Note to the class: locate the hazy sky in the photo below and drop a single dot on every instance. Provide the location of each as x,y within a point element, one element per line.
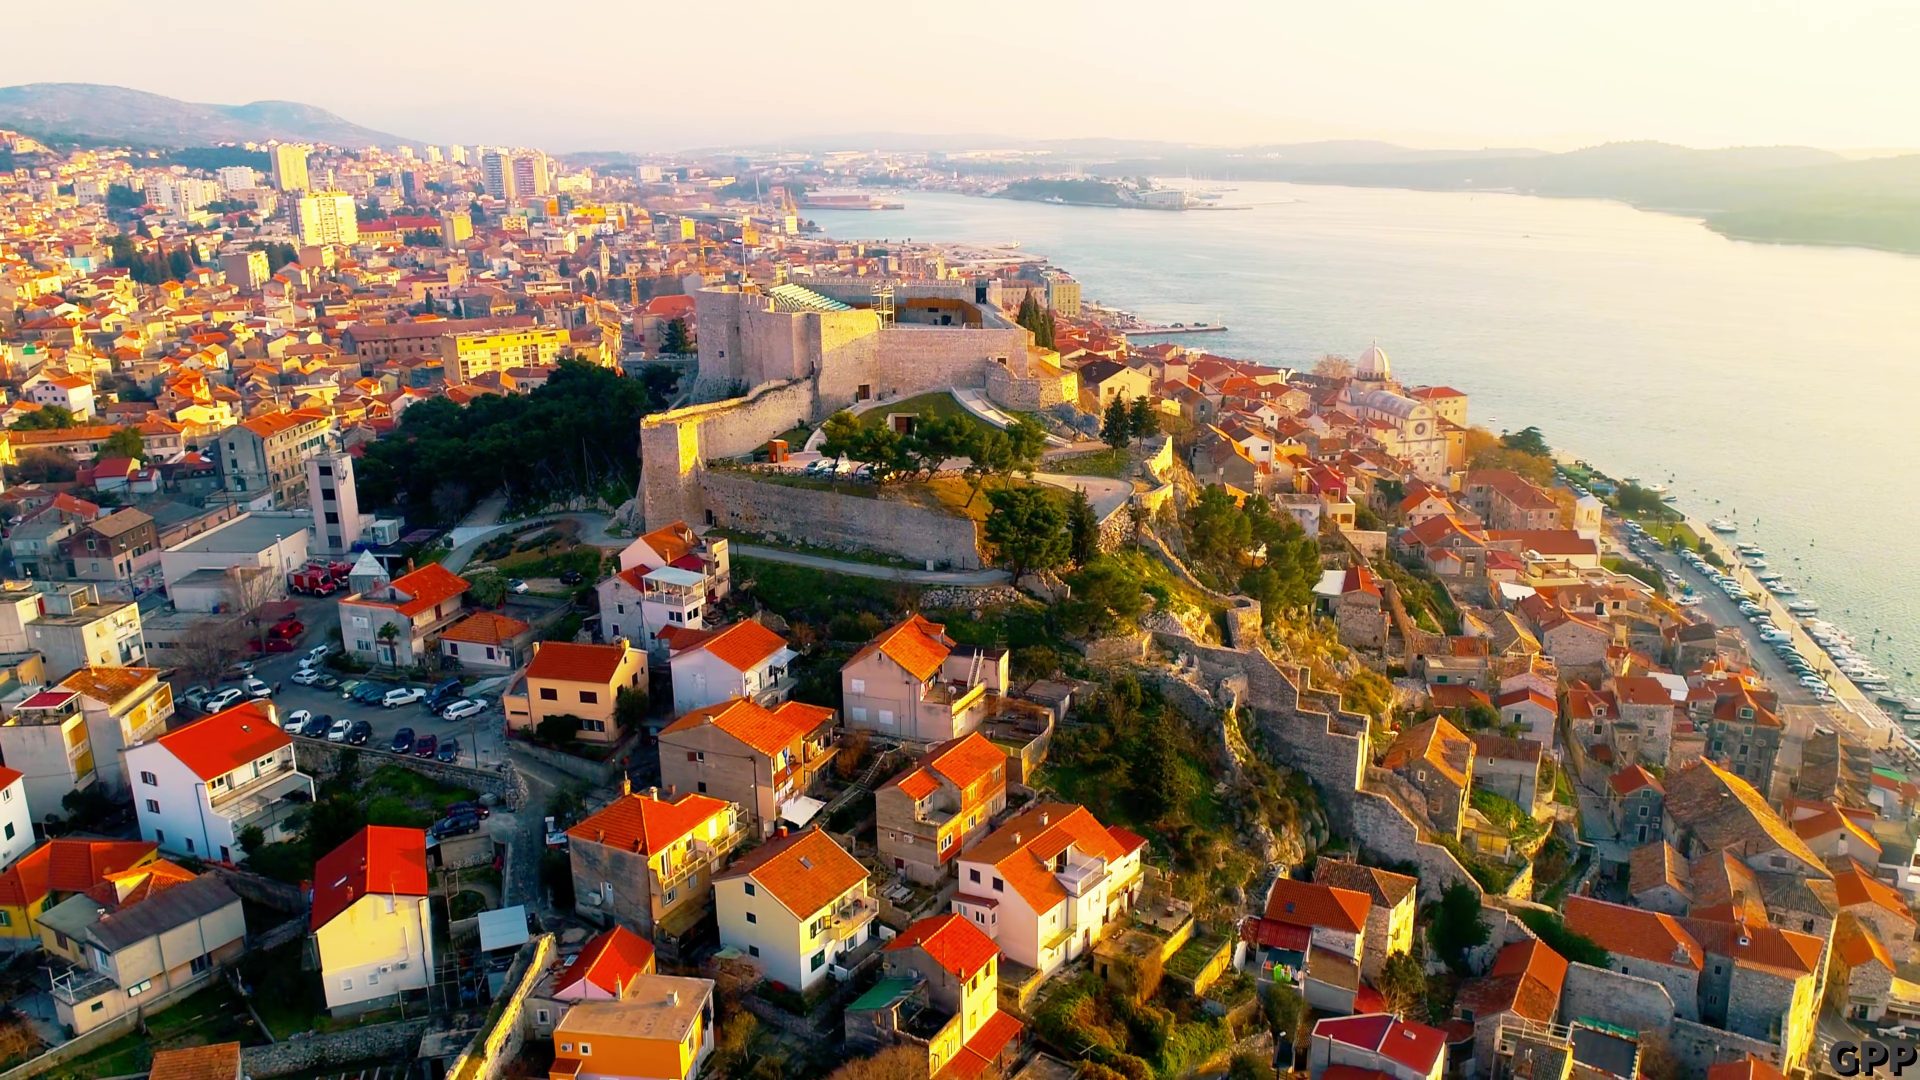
<point>642,74</point>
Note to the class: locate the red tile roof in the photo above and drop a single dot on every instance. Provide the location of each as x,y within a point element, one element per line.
<point>1629,931</point>
<point>1307,903</point>
<point>768,731</point>
<point>380,859</point>
<point>609,961</point>
<point>1750,1068</point>
<point>485,628</point>
<point>916,643</point>
<point>803,871</point>
<point>1415,1046</point>
<point>564,661</point>
<point>427,587</point>
<point>220,743</point>
<point>214,1061</point>
<point>1023,847</point>
<point>69,866</point>
<point>952,941</point>
<point>645,824</point>
<point>744,645</point>
<point>1632,779</point>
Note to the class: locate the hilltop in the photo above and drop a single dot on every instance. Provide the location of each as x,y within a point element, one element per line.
<point>93,113</point>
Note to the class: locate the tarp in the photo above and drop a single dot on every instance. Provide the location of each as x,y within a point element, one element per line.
<point>503,929</point>
<point>799,810</point>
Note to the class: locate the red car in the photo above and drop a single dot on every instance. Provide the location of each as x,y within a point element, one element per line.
<point>425,745</point>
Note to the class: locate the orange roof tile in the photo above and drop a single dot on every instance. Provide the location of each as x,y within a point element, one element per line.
<point>10,777</point>
<point>1854,884</point>
<point>426,587</point>
<point>1438,743</point>
<point>69,866</point>
<point>1306,903</point>
<point>380,859</point>
<point>744,644</point>
<point>485,628</point>
<point>108,684</point>
<point>1022,848</point>
<point>1750,1068</point>
<point>952,941</point>
<point>214,1061</point>
<point>609,961</point>
<point>803,871</point>
<point>768,731</point>
<point>917,644</point>
<point>226,740</point>
<point>564,661</point>
<point>1648,935</point>
<point>645,824</point>
<point>966,760</point>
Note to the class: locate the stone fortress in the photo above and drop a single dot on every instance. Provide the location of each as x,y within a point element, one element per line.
<point>773,358</point>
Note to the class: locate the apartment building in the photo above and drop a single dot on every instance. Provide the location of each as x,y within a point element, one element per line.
<point>646,862</point>
<point>931,813</point>
<point>466,356</point>
<point>371,926</point>
<point>397,623</point>
<point>660,1029</point>
<point>326,217</point>
<point>267,455</point>
<point>76,629</point>
<point>939,989</point>
<point>798,906</point>
<point>763,760</point>
<point>197,788</point>
<point>582,681</point>
<point>710,666</point>
<point>122,706</point>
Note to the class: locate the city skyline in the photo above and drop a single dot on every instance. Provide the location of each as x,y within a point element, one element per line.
<point>1708,74</point>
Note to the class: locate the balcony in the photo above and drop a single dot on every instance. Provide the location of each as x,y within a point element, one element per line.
<point>262,802</point>
<point>1079,878</point>
<point>719,846</point>
<point>77,986</point>
<point>850,917</point>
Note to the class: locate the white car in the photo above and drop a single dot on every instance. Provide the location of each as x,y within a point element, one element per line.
<point>402,695</point>
<point>306,677</point>
<point>338,732</point>
<point>225,698</point>
<point>308,663</point>
<point>295,721</point>
<point>319,652</point>
<point>462,709</point>
<point>256,689</point>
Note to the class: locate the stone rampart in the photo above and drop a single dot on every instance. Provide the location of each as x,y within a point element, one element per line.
<point>736,499</point>
<point>376,1042</point>
<point>1697,1047</point>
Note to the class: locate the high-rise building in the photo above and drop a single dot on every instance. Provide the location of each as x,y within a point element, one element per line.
<point>531,175</point>
<point>457,154</point>
<point>455,226</point>
<point>290,167</point>
<point>237,178</point>
<point>326,217</point>
<point>336,508</point>
<point>497,173</point>
<point>246,270</point>
<point>433,155</point>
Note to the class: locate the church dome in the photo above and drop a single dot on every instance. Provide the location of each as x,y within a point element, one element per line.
<point>1373,364</point>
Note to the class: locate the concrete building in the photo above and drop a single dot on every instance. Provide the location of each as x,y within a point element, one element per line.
<point>1389,922</point>
<point>939,988</point>
<point>16,817</point>
<point>123,707</point>
<point>371,925</point>
<point>798,906</point>
<point>77,629</point>
<point>762,760</point>
<point>269,544</point>
<point>267,455</point>
<point>914,682</point>
<point>119,548</point>
<point>467,356</point>
<point>417,605</point>
<point>582,681</point>
<point>337,523</point>
<point>745,660</point>
<point>645,862</point>
<point>661,1029</point>
<point>197,788</point>
<point>246,270</point>
<point>326,217</point>
<point>290,167</point>
<point>931,813</point>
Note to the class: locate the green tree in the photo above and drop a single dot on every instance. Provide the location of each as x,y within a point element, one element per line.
<point>1037,318</point>
<point>1117,426</point>
<point>630,707</point>
<point>1143,419</point>
<point>1248,1065</point>
<point>1528,440</point>
<point>1286,1013</point>
<point>487,589</point>
<point>558,729</point>
<point>1028,530</point>
<point>252,839</point>
<point>1084,529</point>
<point>675,340</point>
<point>1219,534</point>
<point>124,442</point>
<point>1457,927</point>
<point>1403,984</point>
<point>47,418</point>
<point>930,441</point>
<point>1107,596</point>
<point>876,446</point>
<point>1575,946</point>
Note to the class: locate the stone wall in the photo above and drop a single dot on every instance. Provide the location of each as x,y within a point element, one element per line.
<point>493,1048</point>
<point>320,758</point>
<point>1595,993</point>
<point>1697,1047</point>
<point>597,773</point>
<point>674,445</point>
<point>845,522</point>
<point>377,1042</point>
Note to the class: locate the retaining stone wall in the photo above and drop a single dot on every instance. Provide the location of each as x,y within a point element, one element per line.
<point>1629,1001</point>
<point>393,1042</point>
<point>320,758</point>
<point>843,522</point>
<point>1697,1047</point>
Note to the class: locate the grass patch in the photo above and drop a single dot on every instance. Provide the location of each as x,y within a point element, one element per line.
<point>1111,463</point>
<point>806,594</point>
<point>1493,875</point>
<point>938,404</point>
<point>1187,961</point>
<point>1521,828</point>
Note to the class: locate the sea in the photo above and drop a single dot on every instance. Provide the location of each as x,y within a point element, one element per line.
<point>1774,385</point>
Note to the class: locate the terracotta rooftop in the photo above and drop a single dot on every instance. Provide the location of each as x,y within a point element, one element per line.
<point>564,661</point>
<point>952,941</point>
<point>380,859</point>
<point>768,731</point>
<point>916,643</point>
<point>803,871</point>
<point>218,744</point>
<point>646,824</point>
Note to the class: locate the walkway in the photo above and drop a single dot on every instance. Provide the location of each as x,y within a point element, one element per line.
<point>869,570</point>
<point>975,401</point>
<point>1106,494</point>
<point>593,530</point>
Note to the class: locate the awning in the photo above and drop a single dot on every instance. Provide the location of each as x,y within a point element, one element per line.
<point>799,810</point>
<point>503,929</point>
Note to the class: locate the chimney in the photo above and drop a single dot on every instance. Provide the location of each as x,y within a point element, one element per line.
<point>1043,819</point>
<point>653,793</point>
<point>626,785</point>
<point>781,831</point>
<point>1016,839</point>
<point>673,997</point>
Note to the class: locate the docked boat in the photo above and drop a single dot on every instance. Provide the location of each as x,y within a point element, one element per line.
<point>1767,578</point>
<point>1723,526</point>
<point>1756,562</point>
<point>1783,588</point>
<point>1890,697</point>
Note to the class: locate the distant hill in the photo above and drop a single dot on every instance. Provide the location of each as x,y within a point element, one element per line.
<point>93,113</point>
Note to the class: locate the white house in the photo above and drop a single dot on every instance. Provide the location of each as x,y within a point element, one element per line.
<point>744,660</point>
<point>370,920</point>
<point>16,821</point>
<point>71,392</point>
<point>197,788</point>
<point>796,906</point>
<point>1046,885</point>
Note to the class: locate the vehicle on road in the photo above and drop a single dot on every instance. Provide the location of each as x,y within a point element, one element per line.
<point>320,651</point>
<point>572,577</point>
<point>556,836</point>
<point>305,677</point>
<point>515,585</point>
<point>425,745</point>
<point>474,807</point>
<point>402,742</point>
<point>448,753</point>
<point>456,825</point>
<point>359,733</point>
<point>402,695</point>
<point>196,696</point>
<point>348,686</point>
<point>462,709</point>
<point>339,731</point>
<point>324,681</point>
<point>296,721</point>
<point>256,689</point>
<point>225,698</point>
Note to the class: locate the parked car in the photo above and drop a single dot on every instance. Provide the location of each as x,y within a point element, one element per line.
<point>425,745</point>
<point>324,681</point>
<point>475,807</point>
<point>462,709</point>
<point>359,733</point>
<point>449,751</point>
<point>305,677</point>
<point>348,686</point>
<point>402,695</point>
<point>225,699</point>
<point>515,585</point>
<point>319,726</point>
<point>196,696</point>
<point>239,668</point>
<point>556,836</point>
<point>443,692</point>
<point>456,825</point>
<point>339,731</point>
<point>254,688</point>
<point>319,652</point>
<point>402,741</point>
<point>296,721</point>
<point>572,577</point>
<point>370,693</point>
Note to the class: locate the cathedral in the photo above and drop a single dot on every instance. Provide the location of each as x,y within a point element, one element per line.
<point>1404,426</point>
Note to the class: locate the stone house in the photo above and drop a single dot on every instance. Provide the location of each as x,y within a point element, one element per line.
<point>1657,878</point>
<point>1389,918</point>
<point>1357,607</point>
<point>1437,760</point>
<point>646,863</point>
<point>1510,768</point>
<point>1860,973</point>
<point>1636,806</point>
<point>1522,989</point>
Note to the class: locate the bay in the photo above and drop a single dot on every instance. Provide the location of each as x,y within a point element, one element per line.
<point>1774,384</point>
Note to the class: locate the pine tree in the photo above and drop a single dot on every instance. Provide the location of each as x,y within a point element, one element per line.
<point>1083,529</point>
<point>1143,419</point>
<point>1117,429</point>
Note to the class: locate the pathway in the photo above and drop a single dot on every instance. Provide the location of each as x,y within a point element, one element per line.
<point>593,530</point>
<point>869,570</point>
<point>975,401</point>
<point>1106,494</point>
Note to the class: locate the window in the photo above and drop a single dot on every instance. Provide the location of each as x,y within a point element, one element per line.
<point>671,893</point>
<point>153,806</point>
<point>753,950</point>
<point>973,875</point>
<point>159,836</point>
<point>149,779</point>
<point>541,1015</point>
<point>139,988</point>
<point>702,785</point>
<point>566,1048</point>
<point>750,889</point>
<point>819,960</point>
<point>97,1006</point>
<point>189,844</point>
<point>752,919</point>
<point>346,984</point>
<point>819,927</point>
<point>859,686</point>
<point>589,697</point>
<point>548,693</point>
<point>373,978</point>
<point>946,842</point>
<point>999,885</point>
<point>200,965</point>
<point>586,1049</point>
<point>5,919</point>
<point>9,830</point>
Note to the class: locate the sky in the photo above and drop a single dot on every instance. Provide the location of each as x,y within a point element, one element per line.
<point>650,76</point>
